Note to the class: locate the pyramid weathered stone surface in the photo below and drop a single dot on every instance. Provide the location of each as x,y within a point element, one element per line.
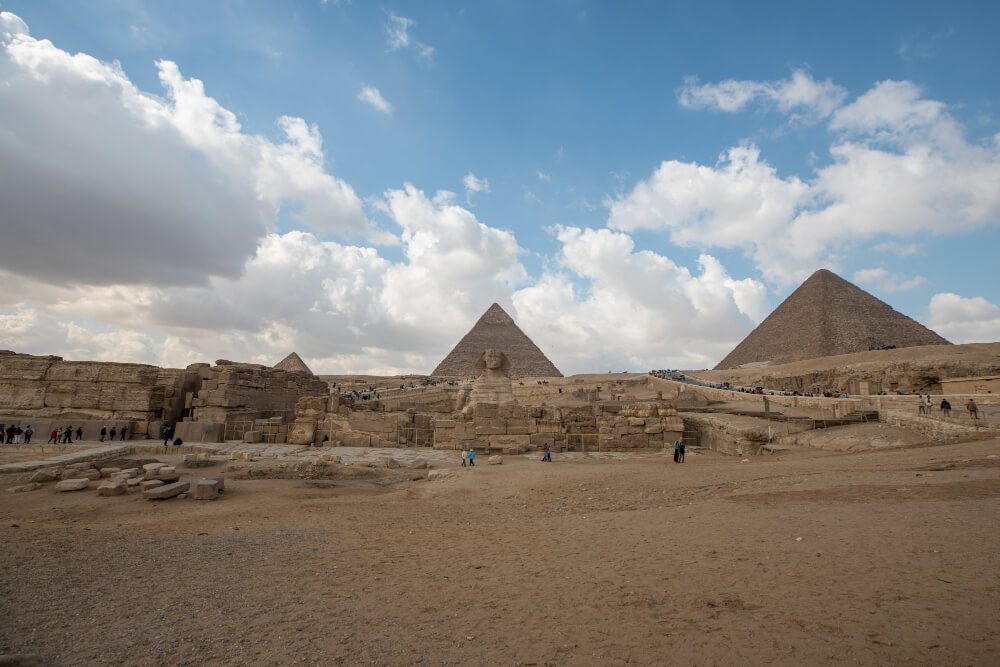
<point>825,316</point>
<point>495,329</point>
<point>294,363</point>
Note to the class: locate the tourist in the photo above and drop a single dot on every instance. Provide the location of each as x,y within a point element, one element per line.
<point>28,432</point>
<point>54,437</point>
<point>921,408</point>
<point>68,435</point>
<point>677,451</point>
<point>18,432</point>
<point>472,457</point>
<point>124,433</point>
<point>167,432</point>
<point>548,454</point>
<point>682,448</point>
<point>465,457</point>
<point>113,433</point>
<point>104,434</point>
<point>928,405</point>
<point>945,407</point>
<point>79,433</point>
<point>973,409</point>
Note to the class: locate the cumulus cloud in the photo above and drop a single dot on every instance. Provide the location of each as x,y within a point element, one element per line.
<point>608,305</point>
<point>474,184</point>
<point>371,96</point>
<point>102,183</point>
<point>900,166</point>
<point>397,29</point>
<point>882,280</point>
<point>964,319</point>
<point>800,95</point>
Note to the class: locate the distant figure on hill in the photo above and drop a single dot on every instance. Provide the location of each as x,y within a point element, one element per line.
<point>472,458</point>
<point>973,409</point>
<point>945,407</point>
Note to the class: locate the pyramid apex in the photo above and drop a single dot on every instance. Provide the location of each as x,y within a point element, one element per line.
<point>293,363</point>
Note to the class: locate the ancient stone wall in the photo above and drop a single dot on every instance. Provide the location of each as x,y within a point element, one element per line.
<point>244,391</point>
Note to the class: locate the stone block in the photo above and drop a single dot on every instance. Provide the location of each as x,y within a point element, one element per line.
<point>136,482</point>
<point>206,489</point>
<point>441,473</point>
<point>89,473</point>
<point>548,426</point>
<point>521,426</point>
<point>490,426</point>
<point>151,484</point>
<point>152,467</point>
<point>73,484</point>
<point>485,410</point>
<point>44,475</point>
<point>30,486</point>
<point>495,460</point>
<point>252,436</point>
<point>653,429</point>
<point>510,444</point>
<point>166,491</point>
<point>109,472</point>
<point>636,421</point>
<point>166,470</point>
<point>111,488</point>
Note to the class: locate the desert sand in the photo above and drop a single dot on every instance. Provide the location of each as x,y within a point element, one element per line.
<point>882,557</point>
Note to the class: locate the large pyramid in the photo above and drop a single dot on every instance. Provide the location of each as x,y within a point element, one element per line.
<point>294,363</point>
<point>825,316</point>
<point>495,329</point>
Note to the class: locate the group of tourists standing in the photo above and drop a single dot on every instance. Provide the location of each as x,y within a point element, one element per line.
<point>925,406</point>
<point>15,435</point>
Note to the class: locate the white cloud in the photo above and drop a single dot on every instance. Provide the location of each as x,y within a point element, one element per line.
<point>371,96</point>
<point>800,95</point>
<point>635,309</point>
<point>881,279</point>
<point>901,167</point>
<point>103,183</point>
<point>398,36</point>
<point>543,177</point>
<point>964,319</point>
<point>474,184</point>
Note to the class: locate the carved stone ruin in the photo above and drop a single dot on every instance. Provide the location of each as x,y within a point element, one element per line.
<point>493,384</point>
<point>309,410</point>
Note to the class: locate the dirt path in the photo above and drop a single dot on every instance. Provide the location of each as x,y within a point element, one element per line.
<point>580,563</point>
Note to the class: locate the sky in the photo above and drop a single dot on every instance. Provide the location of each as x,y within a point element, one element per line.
<point>637,184</point>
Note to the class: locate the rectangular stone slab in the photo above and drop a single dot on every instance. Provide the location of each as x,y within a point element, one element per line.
<point>166,491</point>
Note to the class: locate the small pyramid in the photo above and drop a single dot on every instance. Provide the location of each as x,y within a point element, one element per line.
<point>826,316</point>
<point>293,363</point>
<point>496,329</point>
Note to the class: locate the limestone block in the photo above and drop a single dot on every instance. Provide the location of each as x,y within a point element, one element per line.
<point>30,486</point>
<point>441,473</point>
<point>485,410</point>
<point>89,473</point>
<point>302,433</point>
<point>108,472</point>
<point>20,396</point>
<point>444,423</point>
<point>166,470</point>
<point>654,428</point>
<point>206,489</point>
<point>511,444</point>
<point>495,460</point>
<point>44,475</point>
<point>522,426</point>
<point>166,491</point>
<point>72,395</point>
<point>252,436</point>
<point>152,467</point>
<point>418,464</point>
<point>388,462</point>
<point>110,487</point>
<point>135,482</point>
<point>540,440</point>
<point>636,421</point>
<point>490,426</point>
<point>73,484</point>
<point>150,484</point>
<point>25,366</point>
<point>548,426</point>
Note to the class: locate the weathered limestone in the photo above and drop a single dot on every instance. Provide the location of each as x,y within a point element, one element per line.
<point>73,484</point>
<point>30,486</point>
<point>309,410</point>
<point>493,384</point>
<point>45,475</point>
<point>111,487</point>
<point>207,489</point>
<point>166,491</point>
<point>147,484</point>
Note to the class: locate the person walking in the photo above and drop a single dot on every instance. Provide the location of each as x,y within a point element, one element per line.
<point>79,433</point>
<point>167,432</point>
<point>68,436</point>
<point>54,436</point>
<point>928,405</point>
<point>945,407</point>
<point>682,448</point>
<point>104,434</point>
<point>113,432</point>
<point>28,432</point>
<point>124,433</point>
<point>921,405</point>
<point>472,458</point>
<point>973,409</point>
<point>18,433</point>
<point>465,458</point>
<point>677,451</point>
<point>548,454</point>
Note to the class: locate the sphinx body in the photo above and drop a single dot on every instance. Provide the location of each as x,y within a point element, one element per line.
<point>493,384</point>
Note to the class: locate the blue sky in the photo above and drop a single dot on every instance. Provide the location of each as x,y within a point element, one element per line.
<point>565,108</point>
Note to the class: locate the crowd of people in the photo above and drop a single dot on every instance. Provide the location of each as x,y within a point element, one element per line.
<point>14,434</point>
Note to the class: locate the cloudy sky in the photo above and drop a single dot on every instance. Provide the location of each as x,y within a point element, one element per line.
<point>637,184</point>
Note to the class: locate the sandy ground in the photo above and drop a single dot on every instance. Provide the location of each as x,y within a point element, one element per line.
<point>874,558</point>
